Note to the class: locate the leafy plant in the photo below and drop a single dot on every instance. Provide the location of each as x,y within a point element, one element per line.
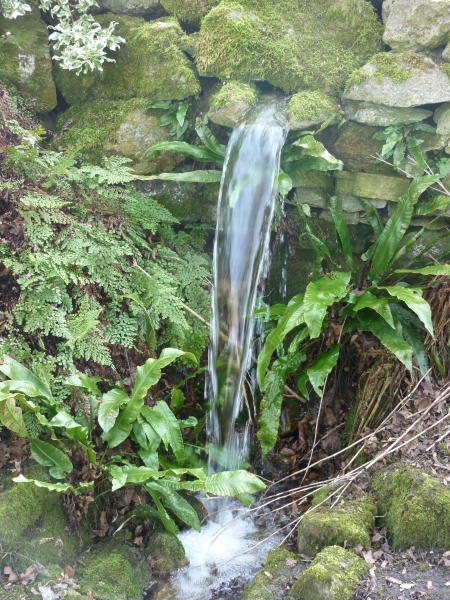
<point>362,298</point>
<point>79,39</point>
<point>175,116</point>
<point>401,142</point>
<point>119,416</point>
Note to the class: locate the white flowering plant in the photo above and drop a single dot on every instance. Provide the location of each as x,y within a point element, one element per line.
<point>79,42</point>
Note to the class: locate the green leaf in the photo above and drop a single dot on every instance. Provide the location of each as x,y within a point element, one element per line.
<point>434,270</point>
<point>153,439</point>
<point>164,422</point>
<point>108,409</point>
<point>11,417</point>
<point>206,176</point>
<point>24,380</point>
<point>373,216</point>
<point>176,504</point>
<point>316,149</point>
<point>411,328</point>
<point>433,205</point>
<point>181,112</point>
<point>320,295</point>
<point>49,456</point>
<point>377,303</point>
<point>320,247</point>
<point>150,330</point>
<point>284,183</point>
<point>72,429</point>
<point>270,411</point>
<point>225,483</point>
<point>397,225</point>
<point>415,152</point>
<point>387,336</point>
<point>168,523</point>
<point>177,399</point>
<point>84,381</point>
<point>124,422</point>
<point>292,317</point>
<point>149,458</point>
<point>54,487</point>
<point>412,297</point>
<point>207,137</point>
<point>200,153</point>
<point>321,367</point>
<point>342,229</point>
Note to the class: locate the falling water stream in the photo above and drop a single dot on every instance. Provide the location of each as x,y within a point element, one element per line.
<point>217,555</point>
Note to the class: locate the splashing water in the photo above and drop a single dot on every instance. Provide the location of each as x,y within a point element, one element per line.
<point>219,553</point>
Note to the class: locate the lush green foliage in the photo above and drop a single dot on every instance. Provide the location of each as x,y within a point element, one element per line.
<point>119,416</point>
<point>79,42</point>
<point>393,311</point>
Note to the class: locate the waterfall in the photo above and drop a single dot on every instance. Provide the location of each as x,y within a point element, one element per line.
<point>244,216</point>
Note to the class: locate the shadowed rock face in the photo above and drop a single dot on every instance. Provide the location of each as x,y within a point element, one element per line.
<point>135,8</point>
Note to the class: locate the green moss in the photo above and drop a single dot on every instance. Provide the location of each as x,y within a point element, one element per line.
<point>398,67</point>
<point>311,105</point>
<point>29,514</point>
<point>151,64</point>
<point>292,45</point>
<point>25,59</point>
<point>189,11</point>
<point>234,90</point>
<point>416,508</point>
<point>279,565</point>
<point>333,574</point>
<point>165,552</point>
<point>348,522</point>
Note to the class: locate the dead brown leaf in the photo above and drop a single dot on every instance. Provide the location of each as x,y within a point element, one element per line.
<point>12,577</point>
<point>28,576</point>
<point>69,571</point>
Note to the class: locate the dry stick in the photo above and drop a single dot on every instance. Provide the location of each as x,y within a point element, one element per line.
<point>319,462</point>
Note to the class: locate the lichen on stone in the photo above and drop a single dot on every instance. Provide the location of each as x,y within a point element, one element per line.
<point>333,575</point>
<point>292,45</point>
<point>189,11</point>
<point>416,507</point>
<point>151,64</point>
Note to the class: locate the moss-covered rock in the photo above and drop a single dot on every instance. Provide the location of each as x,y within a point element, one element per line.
<point>333,575</point>
<point>400,79</point>
<point>189,11</point>
<point>29,514</point>
<point>416,507</point>
<point>150,9</point>
<point>291,44</point>
<point>151,64</point>
<point>348,522</point>
<point>114,571</point>
<point>309,108</point>
<point>165,552</point>
<point>281,565</point>
<point>231,101</point>
<point>25,59</point>
<point>125,128</point>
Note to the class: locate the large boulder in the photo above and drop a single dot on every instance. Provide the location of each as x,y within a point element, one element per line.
<point>404,79</point>
<point>379,115</point>
<point>151,64</point>
<point>25,59</point>
<point>416,24</point>
<point>291,44</point>
<point>150,9</point>
<point>189,11</point>
<point>126,128</point>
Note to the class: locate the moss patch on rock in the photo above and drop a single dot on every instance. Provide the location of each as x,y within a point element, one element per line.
<point>165,552</point>
<point>281,565</point>
<point>416,508</point>
<point>126,128</point>
<point>25,58</point>
<point>333,575</point>
<point>151,64</point>
<point>291,44</point>
<point>232,100</point>
<point>347,522</point>
<point>29,514</point>
<point>189,11</point>
<point>310,107</point>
